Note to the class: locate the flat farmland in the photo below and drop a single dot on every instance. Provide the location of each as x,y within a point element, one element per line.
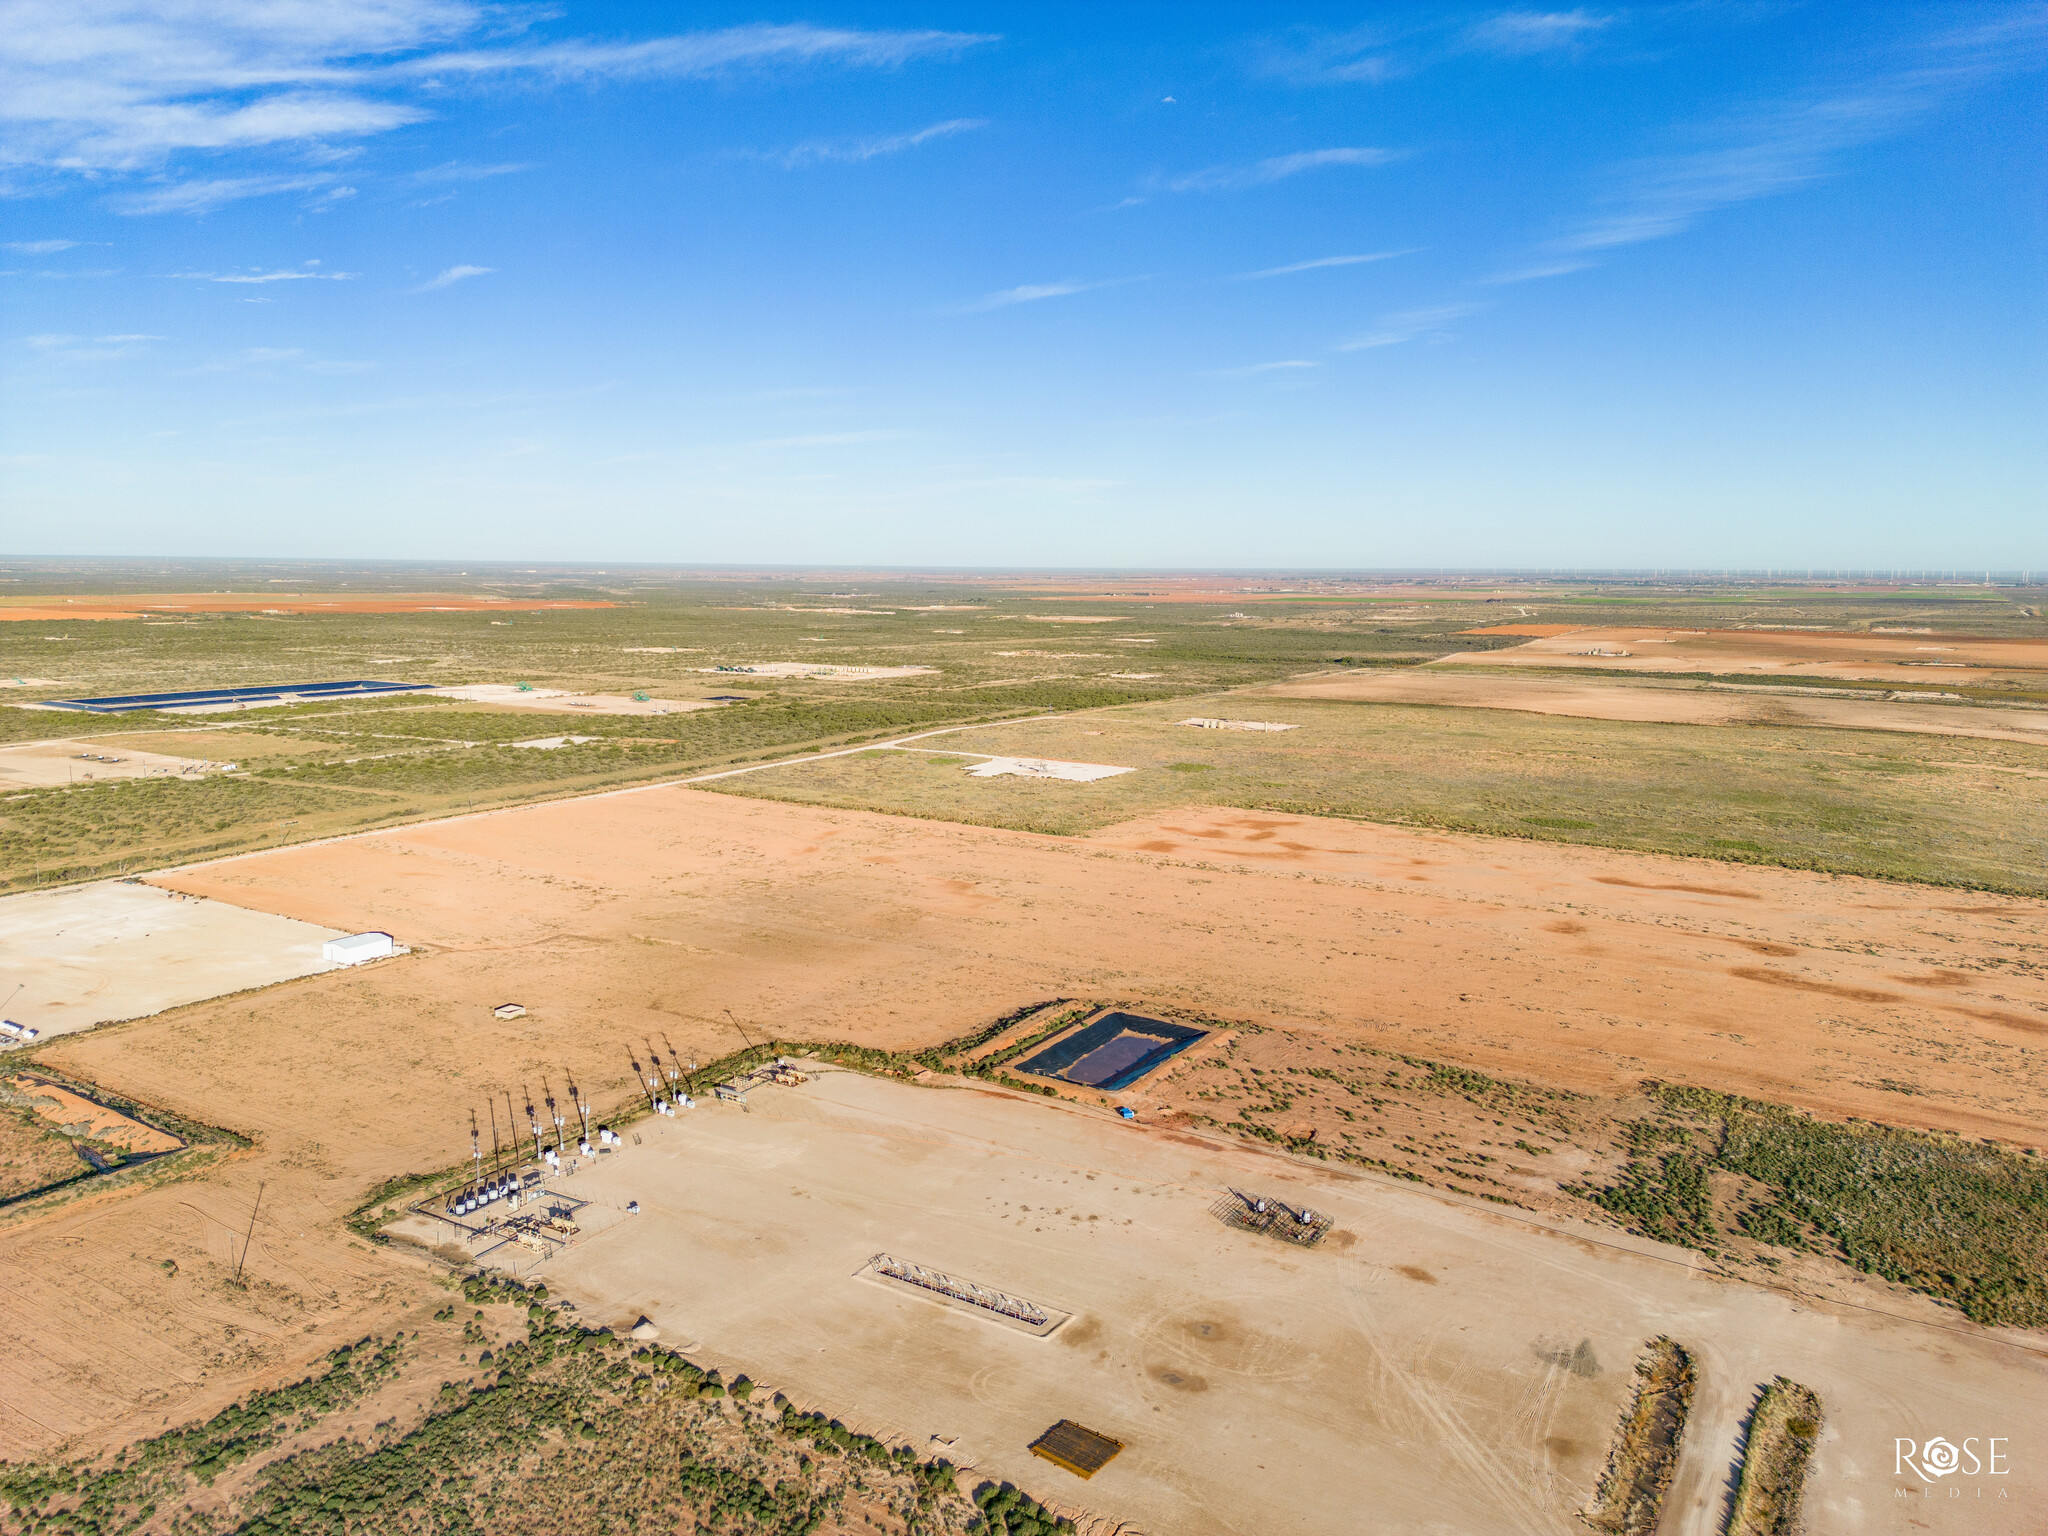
<point>1919,658</point>
<point>1672,702</point>
<point>1854,801</point>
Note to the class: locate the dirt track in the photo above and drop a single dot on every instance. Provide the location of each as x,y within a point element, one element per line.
<point>1673,703</point>
<point>643,913</point>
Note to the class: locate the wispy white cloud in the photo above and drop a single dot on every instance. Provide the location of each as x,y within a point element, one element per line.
<point>1536,31</point>
<point>696,55</point>
<point>1772,150</point>
<point>1376,54</point>
<point>1253,369</point>
<point>59,275</point>
<point>1322,261</point>
<point>823,150</point>
<point>1363,56</point>
<point>452,276</point>
<point>1536,272</point>
<point>109,86</point>
<point>1031,293</point>
<point>87,349</point>
<point>206,194</point>
<point>456,170</point>
<point>256,275</point>
<point>1409,325</point>
<point>1232,178</point>
<point>40,247</point>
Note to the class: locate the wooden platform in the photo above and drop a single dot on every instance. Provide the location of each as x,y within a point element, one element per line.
<point>1081,1451</point>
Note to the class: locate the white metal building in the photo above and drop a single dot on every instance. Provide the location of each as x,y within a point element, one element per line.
<point>358,947</point>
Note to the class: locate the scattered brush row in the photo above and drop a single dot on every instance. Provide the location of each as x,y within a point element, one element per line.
<point>1964,1222</point>
<point>561,1428</point>
<point>1777,1443</point>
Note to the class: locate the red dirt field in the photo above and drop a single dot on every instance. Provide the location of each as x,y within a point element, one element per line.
<point>1581,967</point>
<point>146,606</point>
<point>651,913</point>
<point>1675,701</point>
<point>1906,658</point>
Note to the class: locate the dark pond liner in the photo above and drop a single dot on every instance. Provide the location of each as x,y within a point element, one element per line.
<point>1113,1052</point>
<point>128,703</point>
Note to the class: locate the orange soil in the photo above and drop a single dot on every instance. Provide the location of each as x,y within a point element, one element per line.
<point>140,606</point>
<point>63,1107</point>
<point>1891,658</point>
<point>651,913</point>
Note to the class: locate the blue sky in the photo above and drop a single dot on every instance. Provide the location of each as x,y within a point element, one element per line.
<point>1693,284</point>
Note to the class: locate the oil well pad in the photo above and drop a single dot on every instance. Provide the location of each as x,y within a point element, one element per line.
<point>1295,1224</point>
<point>1081,1451</point>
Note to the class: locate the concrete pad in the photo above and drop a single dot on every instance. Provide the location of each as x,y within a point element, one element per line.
<point>560,701</point>
<point>1045,768</point>
<point>42,764</point>
<point>91,954</point>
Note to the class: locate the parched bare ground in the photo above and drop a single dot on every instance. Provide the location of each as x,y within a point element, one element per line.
<point>32,1154</point>
<point>1901,658</point>
<point>1675,703</point>
<point>651,914</point>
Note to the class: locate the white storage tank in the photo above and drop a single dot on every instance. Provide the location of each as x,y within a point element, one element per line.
<point>358,947</point>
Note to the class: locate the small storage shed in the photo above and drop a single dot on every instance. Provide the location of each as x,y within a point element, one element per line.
<point>508,1011</point>
<point>358,947</point>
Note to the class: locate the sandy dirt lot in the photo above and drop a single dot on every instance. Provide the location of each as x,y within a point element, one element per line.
<point>1674,703</point>
<point>651,913</point>
<point>1584,967</point>
<point>119,950</point>
<point>1888,658</point>
<point>41,764</point>
<point>560,701</point>
<point>1415,1367</point>
<point>815,671</point>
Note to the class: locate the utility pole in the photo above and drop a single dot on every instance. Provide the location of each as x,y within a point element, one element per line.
<point>249,1236</point>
